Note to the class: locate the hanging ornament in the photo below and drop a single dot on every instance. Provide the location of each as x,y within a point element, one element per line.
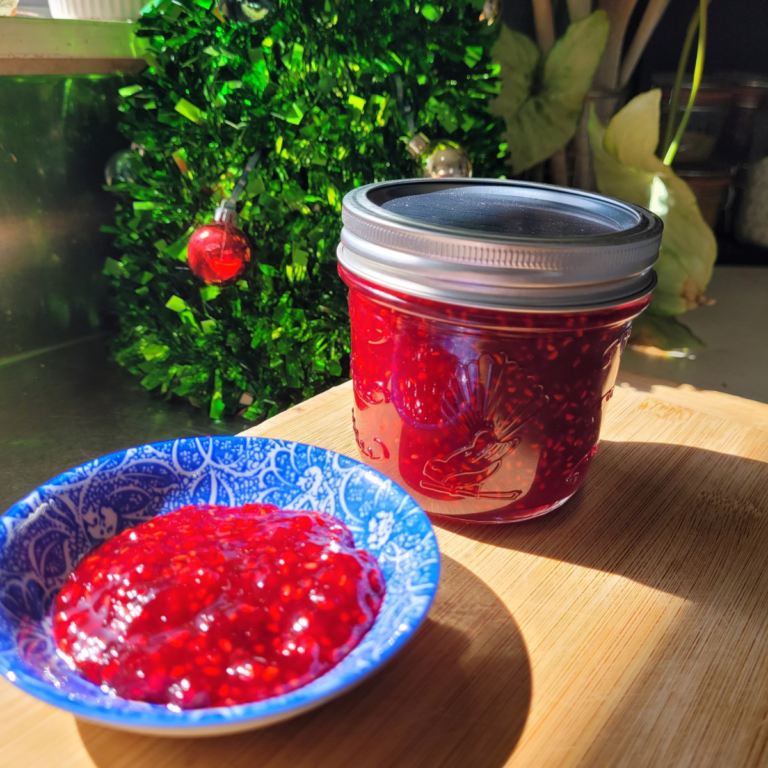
<point>121,167</point>
<point>446,159</point>
<point>220,252</point>
<point>418,145</point>
<point>440,159</point>
<point>248,11</point>
<point>491,12</point>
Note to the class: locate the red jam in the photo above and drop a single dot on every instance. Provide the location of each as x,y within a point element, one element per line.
<point>485,416</point>
<point>211,606</point>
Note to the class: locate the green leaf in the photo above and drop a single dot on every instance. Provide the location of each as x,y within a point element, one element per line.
<point>626,167</point>
<point>129,90</point>
<point>177,304</point>
<point>474,55</point>
<point>210,292</point>
<point>357,102</point>
<point>114,268</point>
<point>318,158</point>
<point>298,256</point>
<point>153,379</point>
<point>258,78</point>
<point>171,10</point>
<point>217,403</point>
<point>254,412</point>
<point>297,55</point>
<point>178,248</point>
<point>665,333</point>
<point>153,351</point>
<point>633,134</point>
<point>292,114</point>
<point>189,319</point>
<point>190,111</point>
<point>518,57</point>
<point>446,116</point>
<point>326,83</point>
<point>168,118</point>
<point>431,12</point>
<point>208,326</point>
<point>546,120</point>
<point>255,185</point>
<point>296,114</point>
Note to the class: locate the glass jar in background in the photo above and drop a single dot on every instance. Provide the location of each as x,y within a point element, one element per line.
<point>752,220</point>
<point>744,137</point>
<point>711,184</point>
<point>705,124</point>
<point>488,319</point>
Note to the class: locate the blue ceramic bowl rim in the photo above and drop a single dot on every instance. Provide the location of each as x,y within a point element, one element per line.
<point>157,717</point>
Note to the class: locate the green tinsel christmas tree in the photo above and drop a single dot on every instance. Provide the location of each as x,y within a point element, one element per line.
<point>330,91</point>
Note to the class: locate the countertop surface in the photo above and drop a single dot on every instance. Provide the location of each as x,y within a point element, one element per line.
<point>735,333</point>
<point>63,407</point>
<point>626,629</point>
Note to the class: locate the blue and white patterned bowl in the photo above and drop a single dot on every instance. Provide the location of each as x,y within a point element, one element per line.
<point>45,535</point>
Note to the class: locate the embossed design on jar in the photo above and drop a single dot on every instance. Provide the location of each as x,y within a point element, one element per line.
<point>582,466</point>
<point>613,353</point>
<point>586,425</point>
<point>382,332</point>
<point>488,400</point>
<point>373,392</point>
<point>368,451</point>
<point>371,389</point>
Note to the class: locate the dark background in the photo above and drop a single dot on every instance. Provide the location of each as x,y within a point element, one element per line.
<point>737,38</point>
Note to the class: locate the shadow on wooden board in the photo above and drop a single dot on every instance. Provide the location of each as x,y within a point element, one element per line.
<point>458,695</point>
<point>683,520</point>
<point>691,523</point>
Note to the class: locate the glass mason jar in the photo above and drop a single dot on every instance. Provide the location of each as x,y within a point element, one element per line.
<point>488,319</point>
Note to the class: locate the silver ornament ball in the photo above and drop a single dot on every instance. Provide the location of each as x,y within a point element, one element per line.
<point>446,160</point>
<point>121,167</point>
<point>491,12</point>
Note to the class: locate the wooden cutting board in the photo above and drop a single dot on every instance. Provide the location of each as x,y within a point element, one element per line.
<point>629,628</point>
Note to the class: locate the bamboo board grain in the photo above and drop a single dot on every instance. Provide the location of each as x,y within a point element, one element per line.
<point>629,628</point>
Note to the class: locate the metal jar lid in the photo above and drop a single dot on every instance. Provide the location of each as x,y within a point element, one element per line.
<point>499,244</point>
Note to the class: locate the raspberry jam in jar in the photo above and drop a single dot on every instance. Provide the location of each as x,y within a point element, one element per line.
<point>488,320</point>
<point>213,606</point>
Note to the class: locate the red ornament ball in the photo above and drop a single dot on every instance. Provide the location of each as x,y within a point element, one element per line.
<point>218,253</point>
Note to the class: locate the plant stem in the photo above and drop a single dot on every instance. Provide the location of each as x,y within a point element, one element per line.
<point>579,9</point>
<point>558,167</point>
<point>607,74</point>
<point>674,100</point>
<point>651,17</point>
<point>545,25</point>
<point>699,19</point>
